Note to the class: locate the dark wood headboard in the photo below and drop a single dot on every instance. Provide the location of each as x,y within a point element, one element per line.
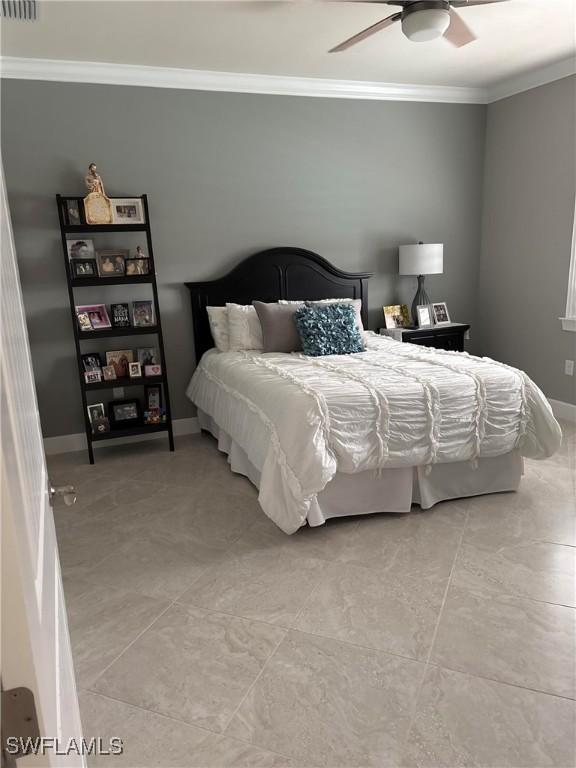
<point>277,273</point>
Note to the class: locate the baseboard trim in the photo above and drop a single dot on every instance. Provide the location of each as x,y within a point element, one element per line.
<point>77,441</point>
<point>565,411</point>
<point>190,426</point>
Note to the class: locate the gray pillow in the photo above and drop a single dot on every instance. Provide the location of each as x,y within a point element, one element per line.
<point>356,303</point>
<point>279,330</point>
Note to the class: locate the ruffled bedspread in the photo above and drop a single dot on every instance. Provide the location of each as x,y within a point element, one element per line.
<point>395,405</point>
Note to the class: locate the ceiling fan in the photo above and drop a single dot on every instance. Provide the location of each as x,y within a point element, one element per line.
<point>423,20</point>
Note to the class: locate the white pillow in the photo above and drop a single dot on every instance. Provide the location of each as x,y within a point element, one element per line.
<point>218,319</point>
<point>244,329</point>
<point>357,303</point>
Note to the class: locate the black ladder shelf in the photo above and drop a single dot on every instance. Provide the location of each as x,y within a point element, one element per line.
<point>73,283</point>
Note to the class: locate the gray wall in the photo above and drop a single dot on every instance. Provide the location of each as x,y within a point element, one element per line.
<point>526,234</point>
<point>228,174</point>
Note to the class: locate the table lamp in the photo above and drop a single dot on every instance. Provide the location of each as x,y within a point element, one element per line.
<point>421,259</point>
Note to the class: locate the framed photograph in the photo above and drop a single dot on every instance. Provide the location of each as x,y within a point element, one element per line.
<point>97,315</point>
<point>440,312</point>
<point>97,207</point>
<point>80,249</point>
<point>142,314</point>
<point>134,370</point>
<point>101,425</point>
<point>153,416</point>
<point>120,360</point>
<point>153,397</point>
<point>124,413</point>
<point>92,362</point>
<point>120,315</point>
<point>111,263</point>
<point>109,372</point>
<point>147,356</point>
<point>84,321</point>
<point>152,370</point>
<point>137,266</point>
<point>424,316</point>
<point>72,210</point>
<point>96,411</point>
<point>93,377</point>
<point>127,210</point>
<point>396,316</point>
<point>83,268</point>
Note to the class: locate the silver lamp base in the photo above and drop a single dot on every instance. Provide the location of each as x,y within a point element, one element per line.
<point>420,299</point>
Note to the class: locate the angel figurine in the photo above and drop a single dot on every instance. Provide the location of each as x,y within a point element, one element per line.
<point>93,180</point>
<point>97,206</point>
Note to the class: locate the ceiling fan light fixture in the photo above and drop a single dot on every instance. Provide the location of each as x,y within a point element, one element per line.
<point>420,26</point>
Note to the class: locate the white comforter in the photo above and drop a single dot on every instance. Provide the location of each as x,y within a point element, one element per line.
<point>394,405</point>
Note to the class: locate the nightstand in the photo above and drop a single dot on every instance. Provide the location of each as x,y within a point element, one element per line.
<point>449,336</point>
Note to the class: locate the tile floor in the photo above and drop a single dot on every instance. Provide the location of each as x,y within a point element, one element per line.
<point>205,637</point>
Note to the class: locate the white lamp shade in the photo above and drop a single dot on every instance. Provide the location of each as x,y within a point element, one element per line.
<point>421,259</point>
<point>427,24</point>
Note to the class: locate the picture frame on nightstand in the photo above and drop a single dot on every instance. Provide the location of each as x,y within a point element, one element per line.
<point>424,316</point>
<point>396,316</point>
<point>440,312</point>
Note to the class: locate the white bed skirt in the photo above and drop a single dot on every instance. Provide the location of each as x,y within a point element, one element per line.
<point>392,490</point>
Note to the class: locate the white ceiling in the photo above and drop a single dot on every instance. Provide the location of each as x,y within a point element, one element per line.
<point>292,38</point>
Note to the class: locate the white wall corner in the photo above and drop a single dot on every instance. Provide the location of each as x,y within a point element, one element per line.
<point>77,441</point>
<point>563,411</point>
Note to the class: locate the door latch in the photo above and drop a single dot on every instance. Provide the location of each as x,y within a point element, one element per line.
<point>68,493</point>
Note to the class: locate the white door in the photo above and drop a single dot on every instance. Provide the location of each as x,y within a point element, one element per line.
<point>35,641</point>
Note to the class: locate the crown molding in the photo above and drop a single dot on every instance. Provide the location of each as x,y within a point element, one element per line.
<point>533,79</point>
<point>95,72</point>
<point>57,70</point>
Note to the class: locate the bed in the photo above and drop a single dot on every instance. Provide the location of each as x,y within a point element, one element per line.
<point>371,432</point>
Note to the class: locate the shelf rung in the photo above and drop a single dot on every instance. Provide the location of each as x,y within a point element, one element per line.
<point>124,382</point>
<point>108,332</point>
<point>142,429</point>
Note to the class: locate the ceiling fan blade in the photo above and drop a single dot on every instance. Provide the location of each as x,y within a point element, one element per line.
<point>400,3</point>
<point>465,3</point>
<point>458,33</point>
<point>387,22</point>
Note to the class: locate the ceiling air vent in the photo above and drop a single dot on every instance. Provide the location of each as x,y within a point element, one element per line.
<point>18,9</point>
